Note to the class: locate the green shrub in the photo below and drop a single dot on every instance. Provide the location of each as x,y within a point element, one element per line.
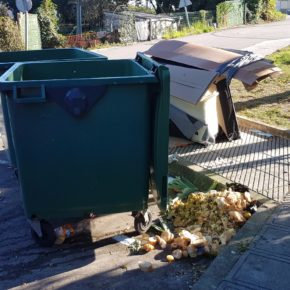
<point>10,37</point>
<point>255,7</point>
<point>263,10</point>
<point>202,14</point>
<point>4,10</point>
<point>269,12</point>
<point>127,28</point>
<point>141,9</point>
<point>222,11</point>
<point>196,28</point>
<point>48,22</point>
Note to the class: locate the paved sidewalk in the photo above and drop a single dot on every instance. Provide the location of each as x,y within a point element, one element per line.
<point>266,265</point>
<point>266,262</point>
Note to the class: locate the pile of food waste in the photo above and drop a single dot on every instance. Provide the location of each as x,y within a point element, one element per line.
<point>201,222</point>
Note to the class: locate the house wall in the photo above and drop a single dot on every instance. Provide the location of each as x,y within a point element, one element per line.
<point>283,6</point>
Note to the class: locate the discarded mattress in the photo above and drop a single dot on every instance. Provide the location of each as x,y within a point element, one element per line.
<point>202,109</point>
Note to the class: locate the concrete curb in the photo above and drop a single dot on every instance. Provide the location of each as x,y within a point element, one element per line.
<point>258,125</point>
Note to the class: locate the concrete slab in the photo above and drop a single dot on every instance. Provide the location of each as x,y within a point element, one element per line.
<point>227,285</point>
<point>282,218</point>
<point>261,271</point>
<point>273,241</point>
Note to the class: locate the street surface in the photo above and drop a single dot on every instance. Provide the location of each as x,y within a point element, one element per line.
<point>98,261</point>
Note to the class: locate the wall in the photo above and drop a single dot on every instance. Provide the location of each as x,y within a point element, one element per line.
<point>146,27</point>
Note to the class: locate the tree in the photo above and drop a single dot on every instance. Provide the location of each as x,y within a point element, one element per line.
<point>10,37</point>
<point>48,22</point>
<point>4,10</point>
<point>263,9</point>
<point>93,10</point>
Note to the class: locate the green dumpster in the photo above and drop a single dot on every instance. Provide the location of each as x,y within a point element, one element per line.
<point>7,59</point>
<point>89,136</point>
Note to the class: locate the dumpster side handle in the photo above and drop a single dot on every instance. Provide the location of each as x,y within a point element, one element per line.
<point>147,62</point>
<point>36,99</point>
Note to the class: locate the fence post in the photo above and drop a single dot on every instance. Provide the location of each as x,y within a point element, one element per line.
<point>150,29</point>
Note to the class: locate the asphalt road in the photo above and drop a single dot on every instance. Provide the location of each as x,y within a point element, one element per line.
<point>263,39</point>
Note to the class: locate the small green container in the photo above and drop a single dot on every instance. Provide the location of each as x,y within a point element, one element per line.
<point>7,59</point>
<point>87,133</point>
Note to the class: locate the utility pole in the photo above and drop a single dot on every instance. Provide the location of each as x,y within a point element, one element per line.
<point>24,6</point>
<point>184,4</point>
<point>79,17</point>
<point>78,4</point>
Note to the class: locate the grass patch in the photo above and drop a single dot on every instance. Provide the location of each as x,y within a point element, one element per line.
<point>270,101</point>
<point>197,28</point>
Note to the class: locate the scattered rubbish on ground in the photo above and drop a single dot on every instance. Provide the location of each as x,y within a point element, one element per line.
<point>124,240</point>
<point>135,247</point>
<point>261,133</point>
<point>169,258</point>
<point>172,158</point>
<point>145,266</point>
<point>196,223</point>
<point>63,232</point>
<point>69,230</point>
<point>238,187</point>
<point>181,187</point>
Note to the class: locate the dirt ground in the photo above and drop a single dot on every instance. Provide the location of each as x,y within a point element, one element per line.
<point>269,102</point>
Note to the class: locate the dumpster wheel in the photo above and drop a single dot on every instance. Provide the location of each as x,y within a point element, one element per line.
<point>48,236</point>
<point>142,222</point>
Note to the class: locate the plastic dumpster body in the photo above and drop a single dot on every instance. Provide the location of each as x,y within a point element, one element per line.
<point>87,134</point>
<point>7,59</point>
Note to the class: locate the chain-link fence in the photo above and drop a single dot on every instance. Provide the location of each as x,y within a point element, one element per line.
<point>206,16</point>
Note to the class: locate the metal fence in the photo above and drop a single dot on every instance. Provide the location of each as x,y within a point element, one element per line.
<point>258,160</point>
<point>208,16</point>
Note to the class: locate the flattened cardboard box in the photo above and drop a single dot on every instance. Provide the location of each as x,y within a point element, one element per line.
<point>210,59</point>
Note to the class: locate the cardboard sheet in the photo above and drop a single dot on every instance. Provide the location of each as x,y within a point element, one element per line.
<point>210,59</point>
